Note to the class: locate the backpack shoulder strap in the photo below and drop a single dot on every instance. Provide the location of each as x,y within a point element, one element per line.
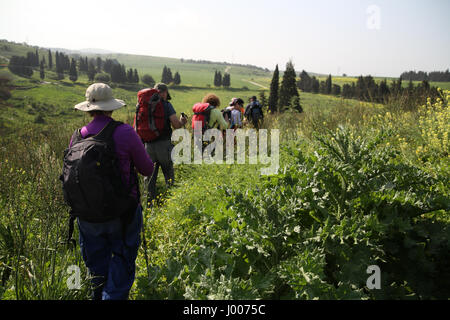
<point>107,132</point>
<point>76,136</point>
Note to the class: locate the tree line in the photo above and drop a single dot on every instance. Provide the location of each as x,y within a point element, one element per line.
<point>109,70</point>
<point>367,89</point>
<point>248,66</point>
<point>436,76</point>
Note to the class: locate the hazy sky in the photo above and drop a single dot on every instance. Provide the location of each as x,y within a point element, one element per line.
<point>375,37</point>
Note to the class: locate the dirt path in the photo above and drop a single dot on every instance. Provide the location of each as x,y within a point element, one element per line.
<point>256,84</point>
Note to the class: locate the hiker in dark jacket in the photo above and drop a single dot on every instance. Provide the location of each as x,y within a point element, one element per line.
<point>254,113</point>
<point>110,249</point>
<point>160,150</point>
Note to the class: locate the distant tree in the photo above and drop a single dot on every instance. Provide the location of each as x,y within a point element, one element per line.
<point>215,78</point>
<point>92,70</point>
<point>305,83</point>
<point>130,76</point>
<point>274,89</point>
<point>226,81</point>
<point>336,90</point>
<point>99,64</point>
<point>177,78</point>
<point>347,91</point>
<point>108,64</point>
<point>42,70</point>
<point>59,65</point>
<point>5,94</point>
<point>50,59</point>
<point>328,85</point>
<point>315,85</point>
<point>73,74</point>
<point>288,88</point>
<point>19,65</point>
<point>102,77</point>
<point>36,59</point>
<point>164,75</point>
<point>148,80</point>
<point>136,76</point>
<point>322,87</point>
<point>167,77</point>
<point>383,91</point>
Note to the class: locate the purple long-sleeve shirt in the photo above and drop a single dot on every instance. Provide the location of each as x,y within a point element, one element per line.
<point>128,146</point>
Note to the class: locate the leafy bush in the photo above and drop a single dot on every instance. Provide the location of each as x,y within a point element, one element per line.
<point>313,230</point>
<point>148,80</point>
<point>102,77</point>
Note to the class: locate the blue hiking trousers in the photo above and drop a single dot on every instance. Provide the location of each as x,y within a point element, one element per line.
<point>110,255</point>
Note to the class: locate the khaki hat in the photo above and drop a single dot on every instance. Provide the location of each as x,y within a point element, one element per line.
<point>99,98</point>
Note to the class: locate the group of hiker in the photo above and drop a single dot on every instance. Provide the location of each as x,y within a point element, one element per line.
<point>100,181</point>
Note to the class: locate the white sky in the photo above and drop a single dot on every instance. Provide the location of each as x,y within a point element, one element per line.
<point>325,36</point>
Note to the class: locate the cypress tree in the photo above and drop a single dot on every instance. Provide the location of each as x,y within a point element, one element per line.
<point>99,64</point>
<point>169,76</point>
<point>130,76</point>
<point>164,77</point>
<point>328,85</point>
<point>177,78</point>
<point>274,88</point>
<point>226,80</point>
<point>136,76</point>
<point>92,70</point>
<point>50,59</point>
<point>219,79</point>
<point>42,71</point>
<point>36,59</point>
<point>305,83</point>
<point>288,88</point>
<point>215,79</point>
<point>73,74</point>
<point>315,85</point>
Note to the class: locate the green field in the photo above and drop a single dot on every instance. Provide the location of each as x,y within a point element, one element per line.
<point>360,184</point>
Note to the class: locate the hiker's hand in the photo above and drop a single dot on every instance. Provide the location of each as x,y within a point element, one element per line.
<point>183,120</point>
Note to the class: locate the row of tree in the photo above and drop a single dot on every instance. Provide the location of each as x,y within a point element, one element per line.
<point>168,78</point>
<point>286,97</point>
<point>104,70</point>
<point>436,76</point>
<point>367,89</point>
<point>220,80</point>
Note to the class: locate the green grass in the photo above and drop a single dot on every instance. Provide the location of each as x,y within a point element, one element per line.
<point>352,192</point>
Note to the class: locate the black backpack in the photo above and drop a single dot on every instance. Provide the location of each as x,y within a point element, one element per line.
<point>255,108</point>
<point>91,179</point>
<point>227,112</point>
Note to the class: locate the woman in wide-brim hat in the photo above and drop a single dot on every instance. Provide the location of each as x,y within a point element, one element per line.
<point>110,249</point>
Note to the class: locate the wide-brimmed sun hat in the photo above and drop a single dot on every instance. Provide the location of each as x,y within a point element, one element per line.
<point>99,97</point>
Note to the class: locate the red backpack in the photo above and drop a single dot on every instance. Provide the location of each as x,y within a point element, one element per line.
<point>202,111</point>
<point>149,121</point>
